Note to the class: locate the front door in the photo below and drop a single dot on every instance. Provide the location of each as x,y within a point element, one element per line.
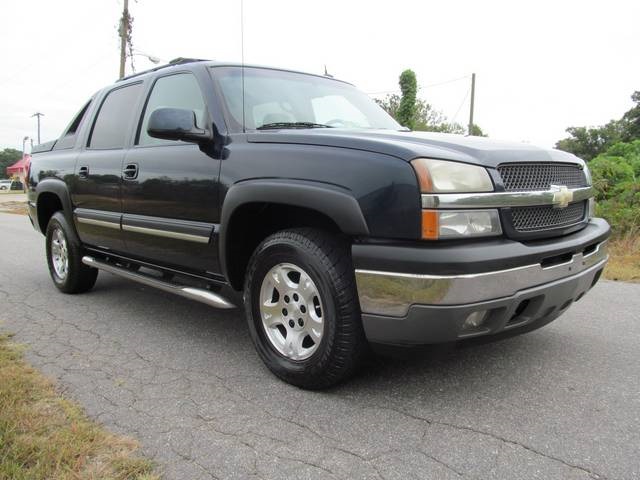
<point>170,188</point>
<point>97,187</point>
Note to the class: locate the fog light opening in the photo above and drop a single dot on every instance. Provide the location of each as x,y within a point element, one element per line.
<point>475,320</point>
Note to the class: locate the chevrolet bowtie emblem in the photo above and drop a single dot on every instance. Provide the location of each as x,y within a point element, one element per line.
<point>562,196</point>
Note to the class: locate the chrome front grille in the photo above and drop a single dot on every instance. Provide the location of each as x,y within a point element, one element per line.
<point>540,176</point>
<point>546,217</point>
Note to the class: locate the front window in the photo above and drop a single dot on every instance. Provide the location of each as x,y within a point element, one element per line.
<point>280,99</point>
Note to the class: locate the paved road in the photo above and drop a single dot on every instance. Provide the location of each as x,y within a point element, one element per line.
<point>562,402</point>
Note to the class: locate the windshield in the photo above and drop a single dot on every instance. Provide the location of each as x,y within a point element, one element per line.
<point>280,99</point>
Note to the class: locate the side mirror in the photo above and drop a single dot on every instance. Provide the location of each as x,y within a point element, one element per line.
<point>176,124</point>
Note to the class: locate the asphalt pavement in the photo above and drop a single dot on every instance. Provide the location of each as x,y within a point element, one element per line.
<point>183,378</point>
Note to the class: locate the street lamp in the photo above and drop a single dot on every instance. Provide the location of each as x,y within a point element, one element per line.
<point>151,58</point>
<point>137,53</point>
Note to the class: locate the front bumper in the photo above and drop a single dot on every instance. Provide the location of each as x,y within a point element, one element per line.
<point>443,287</point>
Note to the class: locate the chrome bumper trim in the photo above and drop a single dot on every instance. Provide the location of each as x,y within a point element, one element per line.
<point>389,293</point>
<point>555,197</point>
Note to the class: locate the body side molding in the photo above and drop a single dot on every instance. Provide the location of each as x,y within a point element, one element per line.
<point>178,229</point>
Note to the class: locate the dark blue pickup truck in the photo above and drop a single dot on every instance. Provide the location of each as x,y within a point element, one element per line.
<point>341,228</point>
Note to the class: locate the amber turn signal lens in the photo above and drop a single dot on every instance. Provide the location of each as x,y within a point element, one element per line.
<point>430,225</point>
<point>422,172</point>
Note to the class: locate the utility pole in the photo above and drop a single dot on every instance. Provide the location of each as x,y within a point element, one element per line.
<point>124,33</point>
<point>38,114</point>
<point>473,96</point>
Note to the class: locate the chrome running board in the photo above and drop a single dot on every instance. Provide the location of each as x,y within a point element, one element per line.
<point>192,293</point>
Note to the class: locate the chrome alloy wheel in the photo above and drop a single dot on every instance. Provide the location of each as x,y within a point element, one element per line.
<point>59,254</point>
<point>291,311</point>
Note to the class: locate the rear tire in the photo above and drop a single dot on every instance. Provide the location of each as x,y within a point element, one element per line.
<point>64,258</point>
<point>302,308</point>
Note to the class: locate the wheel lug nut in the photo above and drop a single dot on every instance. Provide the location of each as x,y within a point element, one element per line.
<point>292,323</point>
<point>295,297</point>
<point>303,309</point>
<point>300,322</point>
<point>284,312</point>
<point>286,299</point>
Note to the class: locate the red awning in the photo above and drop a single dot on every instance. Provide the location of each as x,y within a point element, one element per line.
<point>20,166</point>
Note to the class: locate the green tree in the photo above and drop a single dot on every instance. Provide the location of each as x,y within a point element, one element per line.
<point>631,120</point>
<point>424,117</point>
<point>616,178</point>
<point>589,142</point>
<point>390,104</point>
<point>407,108</point>
<point>476,131</point>
<point>8,157</point>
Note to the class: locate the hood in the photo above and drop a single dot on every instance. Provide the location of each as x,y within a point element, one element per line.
<point>409,145</point>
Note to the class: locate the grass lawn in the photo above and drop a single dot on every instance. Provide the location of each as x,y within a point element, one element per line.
<point>44,436</point>
<point>624,259</point>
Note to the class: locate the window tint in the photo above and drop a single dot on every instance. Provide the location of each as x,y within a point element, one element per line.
<point>175,91</point>
<point>111,127</point>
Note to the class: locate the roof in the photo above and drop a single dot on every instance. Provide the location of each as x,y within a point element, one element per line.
<point>21,164</point>
<point>182,61</point>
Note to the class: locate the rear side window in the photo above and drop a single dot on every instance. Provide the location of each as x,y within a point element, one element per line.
<point>68,138</point>
<point>112,124</point>
<point>74,126</point>
<point>175,91</point>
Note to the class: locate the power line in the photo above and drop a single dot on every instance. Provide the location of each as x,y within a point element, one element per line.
<point>447,81</point>
<point>461,104</point>
<point>437,84</point>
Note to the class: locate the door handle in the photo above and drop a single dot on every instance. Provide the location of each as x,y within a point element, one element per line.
<point>130,172</point>
<point>83,172</point>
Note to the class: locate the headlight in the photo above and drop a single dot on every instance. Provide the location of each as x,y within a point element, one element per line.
<point>444,176</point>
<point>450,224</point>
<point>441,176</point>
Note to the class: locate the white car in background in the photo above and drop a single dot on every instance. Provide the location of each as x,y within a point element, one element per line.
<point>5,185</point>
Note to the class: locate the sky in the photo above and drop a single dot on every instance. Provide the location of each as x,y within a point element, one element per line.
<point>541,66</point>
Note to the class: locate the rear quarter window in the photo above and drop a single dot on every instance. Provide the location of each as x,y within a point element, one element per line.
<point>112,126</point>
<point>68,138</point>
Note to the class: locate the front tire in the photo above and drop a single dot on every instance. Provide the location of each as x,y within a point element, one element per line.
<point>302,308</point>
<point>64,258</point>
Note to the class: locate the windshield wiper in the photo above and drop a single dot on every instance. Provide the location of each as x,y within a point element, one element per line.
<point>277,125</point>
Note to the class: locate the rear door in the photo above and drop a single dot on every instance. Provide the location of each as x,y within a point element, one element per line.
<point>97,189</point>
<point>170,188</point>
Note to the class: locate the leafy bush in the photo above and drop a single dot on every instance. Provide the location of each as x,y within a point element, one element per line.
<point>616,177</point>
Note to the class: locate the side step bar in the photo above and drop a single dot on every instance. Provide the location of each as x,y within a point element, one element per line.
<point>193,293</point>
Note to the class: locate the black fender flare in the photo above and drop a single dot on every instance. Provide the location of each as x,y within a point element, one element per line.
<point>335,202</point>
<point>59,188</point>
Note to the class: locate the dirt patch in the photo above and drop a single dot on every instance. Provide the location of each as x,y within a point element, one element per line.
<point>19,208</point>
